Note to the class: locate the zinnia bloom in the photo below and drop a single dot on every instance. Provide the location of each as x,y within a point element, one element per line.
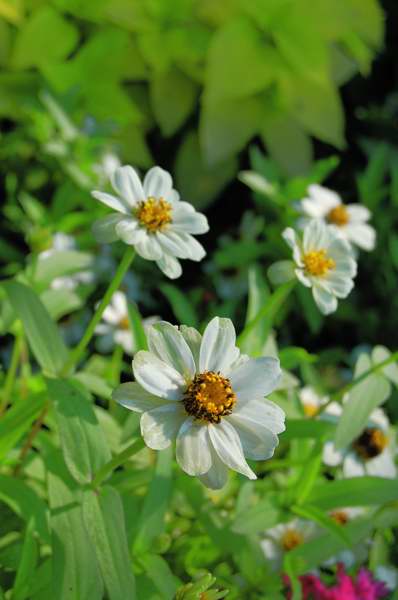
<point>349,219</point>
<point>151,217</point>
<point>285,537</point>
<point>324,262</point>
<point>202,393</point>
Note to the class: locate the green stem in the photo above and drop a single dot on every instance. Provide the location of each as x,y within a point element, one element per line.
<point>117,461</point>
<point>337,396</point>
<point>77,353</point>
<point>10,377</point>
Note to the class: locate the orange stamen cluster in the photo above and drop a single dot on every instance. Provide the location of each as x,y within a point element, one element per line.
<point>338,215</point>
<point>317,263</point>
<point>310,410</point>
<point>340,517</point>
<point>209,397</point>
<point>290,539</point>
<point>154,214</point>
<point>370,443</point>
<point>124,323</point>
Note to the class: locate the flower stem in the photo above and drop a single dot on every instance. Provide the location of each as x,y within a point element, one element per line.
<point>76,354</point>
<point>10,377</point>
<point>116,461</point>
<point>337,396</point>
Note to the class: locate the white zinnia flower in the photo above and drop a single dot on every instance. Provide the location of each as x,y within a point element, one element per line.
<point>324,263</point>
<point>151,217</point>
<point>202,393</point>
<point>371,453</point>
<point>311,401</point>
<point>115,330</point>
<point>349,219</point>
<point>285,537</point>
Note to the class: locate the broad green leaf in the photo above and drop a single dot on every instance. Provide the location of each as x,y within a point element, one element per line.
<point>294,356</point>
<point>60,264</point>
<point>44,37</point>
<point>17,421</point>
<point>362,400</point>
<point>258,294</point>
<point>27,566</point>
<point>137,328</point>
<point>198,182</point>
<point>76,573</point>
<point>82,441</point>
<point>306,428</point>
<point>288,145</point>
<point>257,518</point>
<point>381,353</point>
<point>173,98</point>
<point>60,302</point>
<point>104,520</point>
<point>159,572</point>
<point>181,305</point>
<point>95,384</point>
<point>358,491</point>
<point>42,333</point>
<point>24,501</point>
<point>151,520</point>
<point>308,474</point>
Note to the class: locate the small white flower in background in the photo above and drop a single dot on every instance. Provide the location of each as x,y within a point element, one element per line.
<point>105,168</point>
<point>349,219</point>
<point>285,537</point>
<point>60,243</point>
<point>151,217</point>
<point>358,554</point>
<point>115,328</point>
<point>371,453</point>
<point>311,401</point>
<point>324,262</point>
<point>201,392</point>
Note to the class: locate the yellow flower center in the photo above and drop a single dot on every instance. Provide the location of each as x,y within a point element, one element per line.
<point>370,443</point>
<point>310,410</point>
<point>154,213</point>
<point>124,323</point>
<point>338,215</point>
<point>318,263</point>
<point>340,517</point>
<point>209,397</point>
<point>290,539</point>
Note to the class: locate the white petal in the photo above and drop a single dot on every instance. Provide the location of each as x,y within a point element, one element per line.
<point>314,209</point>
<point>159,426</point>
<point>169,266</point>
<point>194,340</point>
<point>111,315</point>
<point>217,476</point>
<point>193,448</point>
<point>227,444</point>
<point>361,234</point>
<point>358,213</point>
<point>158,183</point>
<point>185,218</point>
<point>382,465</point>
<point>149,248</point>
<point>331,456</point>
<point>326,302</point>
<point>168,344</point>
<point>104,229</point>
<point>181,245</point>
<point>132,396</point>
<point>290,237</point>
<point>157,377</point>
<point>124,339</point>
<point>337,285</point>
<point>119,301</point>
<point>129,231</point>
<point>378,417</point>
<point>255,378</point>
<point>126,182</point>
<point>353,466</point>
<point>316,236</point>
<point>264,411</point>
<point>218,350</point>
<point>324,197</point>
<point>258,442</point>
<point>303,278</point>
<point>112,201</point>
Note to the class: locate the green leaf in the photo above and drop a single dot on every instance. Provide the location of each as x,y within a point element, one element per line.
<point>24,501</point>
<point>42,333</point>
<point>27,565</point>
<point>137,328</point>
<point>60,264</point>
<point>381,353</point>
<point>257,518</point>
<point>306,428</point>
<point>181,306</point>
<point>17,421</point>
<point>159,572</point>
<point>362,400</point>
<point>294,356</point>
<point>76,573</point>
<point>308,474</point>
<point>173,98</point>
<point>151,520</point>
<point>288,145</point>
<point>200,183</point>
<point>313,513</point>
<point>358,491</point>
<point>44,37</point>
<point>258,293</point>
<point>60,302</point>
<point>104,520</point>
<point>82,441</point>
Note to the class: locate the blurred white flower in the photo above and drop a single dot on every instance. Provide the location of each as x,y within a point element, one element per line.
<point>202,393</point>
<point>343,516</point>
<point>151,217</point>
<point>349,219</point>
<point>371,453</point>
<point>60,243</point>
<point>389,576</point>
<point>285,537</point>
<point>105,168</point>
<point>115,328</point>
<point>324,262</point>
<point>311,401</point>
